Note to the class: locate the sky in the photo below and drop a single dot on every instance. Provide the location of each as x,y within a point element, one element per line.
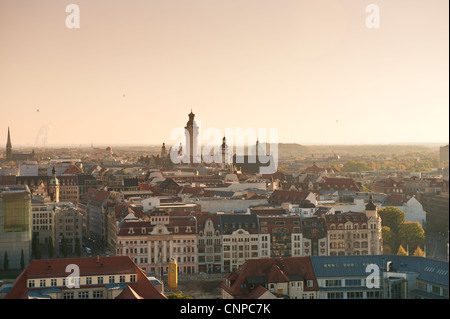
<point>310,68</point>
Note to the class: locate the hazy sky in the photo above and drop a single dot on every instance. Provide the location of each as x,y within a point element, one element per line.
<point>310,68</point>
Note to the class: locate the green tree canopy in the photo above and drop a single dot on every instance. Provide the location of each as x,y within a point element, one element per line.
<point>63,249</point>
<point>389,240</point>
<point>411,234</point>
<point>5,261</point>
<point>178,295</point>
<point>78,247</point>
<point>22,260</point>
<point>50,247</point>
<point>392,217</point>
<point>356,166</point>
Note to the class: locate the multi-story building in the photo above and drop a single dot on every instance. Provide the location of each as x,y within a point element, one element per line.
<point>42,221</point>
<point>96,212</point>
<point>272,278</point>
<point>285,234</point>
<point>209,244</point>
<point>380,277</point>
<point>444,153</point>
<point>15,225</point>
<point>68,226</point>
<point>152,244</point>
<point>355,233</point>
<point>241,240</point>
<point>314,241</point>
<point>84,278</point>
<point>389,186</point>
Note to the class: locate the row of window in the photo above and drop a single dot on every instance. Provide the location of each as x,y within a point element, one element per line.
<point>96,294</point>
<point>55,282</point>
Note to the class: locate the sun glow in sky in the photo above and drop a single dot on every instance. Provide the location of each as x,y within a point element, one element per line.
<point>311,68</point>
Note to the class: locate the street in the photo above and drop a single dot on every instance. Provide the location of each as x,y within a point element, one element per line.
<point>436,246</point>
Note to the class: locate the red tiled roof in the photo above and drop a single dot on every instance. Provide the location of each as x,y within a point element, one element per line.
<point>46,268</point>
<point>265,268</point>
<point>72,170</point>
<point>101,196</point>
<point>276,275</point>
<point>340,184</point>
<point>257,292</point>
<point>128,293</point>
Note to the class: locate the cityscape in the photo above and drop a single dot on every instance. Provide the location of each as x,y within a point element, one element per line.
<point>155,193</point>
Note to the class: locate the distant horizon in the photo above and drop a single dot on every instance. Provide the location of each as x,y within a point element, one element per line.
<point>101,145</point>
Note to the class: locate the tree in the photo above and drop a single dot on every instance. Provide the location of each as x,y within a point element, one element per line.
<point>50,247</point>
<point>411,234</point>
<point>392,217</point>
<point>35,247</point>
<point>419,252</point>
<point>78,247</point>
<point>389,240</point>
<point>356,166</point>
<point>401,251</point>
<point>6,261</point>
<point>63,248</point>
<point>22,260</point>
<point>178,295</point>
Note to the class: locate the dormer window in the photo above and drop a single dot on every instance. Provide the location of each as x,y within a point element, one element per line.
<point>131,230</point>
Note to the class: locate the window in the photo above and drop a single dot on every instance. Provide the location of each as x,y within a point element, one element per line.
<point>332,283</point>
<point>53,283</point>
<point>88,280</point>
<point>68,295</point>
<point>122,278</point>
<point>31,284</point>
<point>133,278</point>
<point>310,283</point>
<point>100,280</point>
<point>435,290</point>
<point>373,294</point>
<point>335,295</point>
<point>111,279</point>
<point>352,282</point>
<point>97,294</point>
<point>83,295</point>
<point>42,283</point>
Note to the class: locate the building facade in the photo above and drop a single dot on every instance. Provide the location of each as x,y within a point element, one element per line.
<point>96,278</point>
<point>15,225</point>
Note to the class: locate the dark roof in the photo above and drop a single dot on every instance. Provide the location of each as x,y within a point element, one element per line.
<point>231,223</point>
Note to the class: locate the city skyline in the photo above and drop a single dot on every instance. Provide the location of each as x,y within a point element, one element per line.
<point>133,71</point>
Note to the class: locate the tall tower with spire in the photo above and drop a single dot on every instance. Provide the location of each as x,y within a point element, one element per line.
<point>191,132</point>
<point>53,187</point>
<point>9,147</point>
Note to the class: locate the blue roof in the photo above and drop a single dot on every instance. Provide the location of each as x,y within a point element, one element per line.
<point>43,293</point>
<point>430,270</point>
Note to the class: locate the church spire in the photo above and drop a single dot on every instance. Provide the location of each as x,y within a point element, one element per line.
<point>9,146</point>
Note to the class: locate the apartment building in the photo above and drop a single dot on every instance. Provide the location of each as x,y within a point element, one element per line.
<point>241,240</point>
<point>272,278</point>
<point>83,278</point>
<point>152,244</point>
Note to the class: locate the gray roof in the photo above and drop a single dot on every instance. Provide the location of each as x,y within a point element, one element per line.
<point>430,270</point>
